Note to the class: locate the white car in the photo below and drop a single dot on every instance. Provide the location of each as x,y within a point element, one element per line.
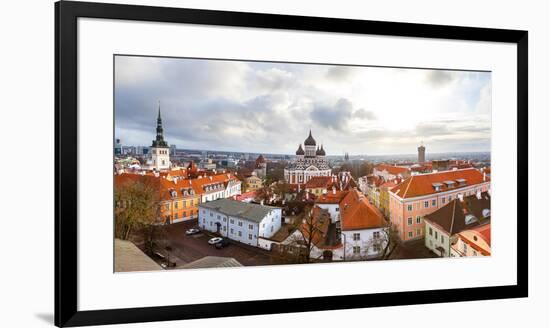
<point>215,240</point>
<point>192,231</point>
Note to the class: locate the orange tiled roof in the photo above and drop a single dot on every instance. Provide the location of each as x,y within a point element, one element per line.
<point>332,197</point>
<point>358,213</point>
<point>485,232</point>
<point>165,186</point>
<point>395,170</point>
<point>422,184</point>
<point>319,182</point>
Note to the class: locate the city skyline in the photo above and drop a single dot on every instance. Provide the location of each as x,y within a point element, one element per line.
<point>251,107</point>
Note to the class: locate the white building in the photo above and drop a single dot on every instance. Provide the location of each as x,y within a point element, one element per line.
<point>218,186</point>
<point>243,222</point>
<point>309,163</point>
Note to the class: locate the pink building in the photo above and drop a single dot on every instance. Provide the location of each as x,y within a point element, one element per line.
<point>422,194</point>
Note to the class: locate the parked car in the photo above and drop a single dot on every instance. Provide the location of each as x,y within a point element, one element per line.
<point>215,240</point>
<point>192,231</point>
<point>223,243</point>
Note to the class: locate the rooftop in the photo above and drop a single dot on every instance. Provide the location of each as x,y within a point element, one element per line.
<point>248,211</point>
<point>358,213</point>
<point>422,184</point>
<point>213,262</point>
<point>459,215</point>
<point>128,257</point>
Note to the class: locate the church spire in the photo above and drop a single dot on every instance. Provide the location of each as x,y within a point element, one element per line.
<point>159,141</point>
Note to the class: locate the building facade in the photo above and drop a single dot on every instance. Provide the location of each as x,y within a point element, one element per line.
<point>310,162</point>
<point>240,221</point>
<point>420,195</point>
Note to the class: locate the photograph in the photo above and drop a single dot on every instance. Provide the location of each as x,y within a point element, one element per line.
<point>227,163</point>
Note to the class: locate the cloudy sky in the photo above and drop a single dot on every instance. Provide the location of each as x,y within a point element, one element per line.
<point>270,107</point>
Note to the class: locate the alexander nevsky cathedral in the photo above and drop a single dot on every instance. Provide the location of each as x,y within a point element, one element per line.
<point>310,162</point>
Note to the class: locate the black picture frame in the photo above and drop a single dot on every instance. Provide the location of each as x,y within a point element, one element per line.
<point>66,166</point>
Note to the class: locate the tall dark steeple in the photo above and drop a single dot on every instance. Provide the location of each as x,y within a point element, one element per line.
<point>159,141</point>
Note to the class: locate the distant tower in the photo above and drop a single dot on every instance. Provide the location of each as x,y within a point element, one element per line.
<point>421,153</point>
<point>261,167</point>
<point>160,151</point>
<point>346,157</point>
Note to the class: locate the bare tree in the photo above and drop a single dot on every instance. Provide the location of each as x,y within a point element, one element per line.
<point>390,241</point>
<point>136,206</point>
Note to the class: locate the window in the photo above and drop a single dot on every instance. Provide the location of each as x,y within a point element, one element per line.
<point>376,248</point>
<point>465,248</point>
<point>410,221</point>
<point>356,236</point>
<point>409,208</point>
<point>211,214</point>
<point>184,213</point>
<point>271,228</point>
<point>418,232</point>
<point>176,204</point>
<point>475,253</point>
<point>442,239</point>
<point>410,234</point>
<point>435,235</point>
<point>356,249</point>
<point>250,226</point>
<point>240,234</point>
<point>337,209</point>
<point>426,204</point>
<point>418,220</point>
<point>376,235</point>
<point>443,200</point>
<point>232,221</point>
<point>240,223</point>
<point>224,219</point>
<point>430,231</point>
<point>224,228</point>
<point>231,230</point>
<point>176,216</point>
<point>218,217</point>
<point>250,236</point>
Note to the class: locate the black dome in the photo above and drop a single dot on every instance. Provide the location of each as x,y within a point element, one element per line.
<point>310,141</point>
<point>321,151</point>
<point>300,151</point>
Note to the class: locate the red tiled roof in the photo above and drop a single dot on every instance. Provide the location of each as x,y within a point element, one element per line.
<point>358,213</point>
<point>319,182</point>
<point>485,232</point>
<point>395,170</point>
<point>422,184</point>
<point>332,197</point>
<point>165,185</point>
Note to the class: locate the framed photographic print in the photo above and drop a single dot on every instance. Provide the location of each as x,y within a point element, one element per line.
<point>214,163</point>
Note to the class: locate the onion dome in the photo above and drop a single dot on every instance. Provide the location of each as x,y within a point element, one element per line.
<point>321,151</point>
<point>300,151</point>
<point>310,141</point>
<point>318,151</point>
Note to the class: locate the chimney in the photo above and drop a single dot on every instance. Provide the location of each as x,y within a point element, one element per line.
<point>484,176</point>
<point>175,180</point>
<point>334,190</point>
<point>478,194</point>
<point>461,197</point>
<point>210,178</point>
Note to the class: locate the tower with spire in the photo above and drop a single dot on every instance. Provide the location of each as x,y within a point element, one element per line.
<point>160,151</point>
<point>421,153</point>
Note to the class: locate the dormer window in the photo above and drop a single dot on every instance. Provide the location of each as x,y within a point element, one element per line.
<point>469,219</point>
<point>449,183</point>
<point>461,182</point>
<point>437,186</point>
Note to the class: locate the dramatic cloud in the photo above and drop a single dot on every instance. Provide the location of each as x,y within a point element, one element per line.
<point>270,107</point>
